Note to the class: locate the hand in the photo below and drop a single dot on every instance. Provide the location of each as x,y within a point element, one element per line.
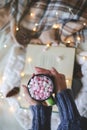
<point>29,100</point>
<point>59,79</point>
<point>40,70</point>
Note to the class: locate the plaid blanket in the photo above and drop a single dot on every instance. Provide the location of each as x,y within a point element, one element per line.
<point>39,15</point>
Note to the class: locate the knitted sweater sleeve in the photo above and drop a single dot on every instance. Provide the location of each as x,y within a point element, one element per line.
<point>69,115</point>
<point>41,117</point>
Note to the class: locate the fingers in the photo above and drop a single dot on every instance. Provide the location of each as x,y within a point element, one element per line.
<point>25,90</point>
<point>29,100</point>
<point>55,72</point>
<point>40,70</point>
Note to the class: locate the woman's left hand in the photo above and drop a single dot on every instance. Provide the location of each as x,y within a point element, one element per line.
<point>29,100</point>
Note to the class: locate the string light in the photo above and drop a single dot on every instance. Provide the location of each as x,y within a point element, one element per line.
<point>29,60</point>
<point>3,78</point>
<point>25,110</point>
<point>17,28</point>
<point>78,38</point>
<point>70,10</point>
<point>68,41</point>
<point>56,13</point>
<point>31,14</point>
<point>1,96</point>
<point>68,82</point>
<point>19,98</point>
<point>22,74</point>
<point>47,46</point>
<point>23,95</point>
<point>36,24</point>
<point>34,29</point>
<point>5,46</point>
<point>11,109</point>
<point>55,26</point>
<point>84,57</point>
<point>84,24</point>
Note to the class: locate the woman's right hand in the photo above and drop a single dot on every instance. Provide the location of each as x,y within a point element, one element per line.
<point>59,80</point>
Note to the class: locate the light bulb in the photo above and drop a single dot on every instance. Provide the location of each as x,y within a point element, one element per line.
<point>56,13</point>
<point>48,45</point>
<point>19,98</point>
<point>68,82</point>
<point>68,41</point>
<point>23,95</point>
<point>32,14</point>
<point>25,110</point>
<point>78,38</point>
<point>84,57</point>
<point>29,60</point>
<point>11,109</point>
<point>22,74</point>
<point>34,29</point>
<point>1,96</point>
<point>70,9</point>
<point>84,24</point>
<point>55,26</point>
<point>36,24</point>
<point>5,46</point>
<point>17,28</point>
<point>3,78</point>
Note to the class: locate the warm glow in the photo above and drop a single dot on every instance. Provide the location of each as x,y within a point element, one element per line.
<point>68,82</point>
<point>11,109</point>
<point>56,13</point>
<point>84,24</point>
<point>70,9</point>
<point>3,78</point>
<point>78,38</point>
<point>17,28</point>
<point>19,98</point>
<point>23,95</point>
<point>55,26</point>
<point>5,46</point>
<point>48,45</point>
<point>22,74</point>
<point>34,29</point>
<point>84,57</point>
<point>25,110</point>
<point>31,14</point>
<point>36,24</point>
<point>29,59</point>
<point>68,41</point>
<point>1,95</point>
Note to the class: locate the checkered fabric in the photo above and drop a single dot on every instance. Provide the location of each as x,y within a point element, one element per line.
<point>70,15</point>
<point>3,3</point>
